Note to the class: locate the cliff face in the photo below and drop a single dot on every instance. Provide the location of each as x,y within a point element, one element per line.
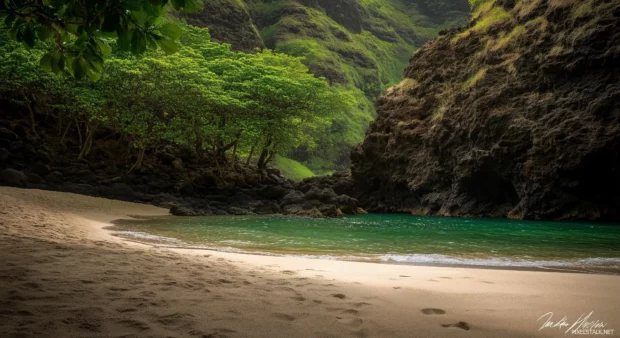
<point>517,115</point>
<point>228,21</point>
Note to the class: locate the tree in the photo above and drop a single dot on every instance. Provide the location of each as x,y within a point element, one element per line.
<point>79,30</point>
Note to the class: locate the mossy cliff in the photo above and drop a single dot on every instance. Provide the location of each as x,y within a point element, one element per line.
<point>516,115</point>
<point>361,46</point>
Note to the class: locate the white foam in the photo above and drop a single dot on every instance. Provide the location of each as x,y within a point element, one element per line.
<point>442,259</point>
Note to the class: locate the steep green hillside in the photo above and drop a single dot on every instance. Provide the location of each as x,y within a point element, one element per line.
<point>361,46</point>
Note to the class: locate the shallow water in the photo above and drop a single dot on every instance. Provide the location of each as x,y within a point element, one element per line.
<point>588,247</point>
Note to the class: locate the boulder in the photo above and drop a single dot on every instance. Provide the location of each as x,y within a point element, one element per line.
<point>34,178</point>
<point>266,207</point>
<point>13,178</point>
<point>41,169</point>
<point>166,157</point>
<point>55,177</point>
<point>240,211</point>
<point>4,154</point>
<point>118,190</point>
<point>177,164</point>
<point>179,210</point>
<point>273,192</point>
<point>293,197</point>
<point>316,193</point>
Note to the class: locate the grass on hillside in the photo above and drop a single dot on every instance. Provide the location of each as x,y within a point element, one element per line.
<point>292,169</point>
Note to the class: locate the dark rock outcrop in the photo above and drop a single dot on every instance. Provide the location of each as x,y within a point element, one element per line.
<point>516,116</point>
<point>171,176</point>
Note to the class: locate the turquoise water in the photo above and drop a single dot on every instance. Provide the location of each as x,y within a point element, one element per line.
<point>395,239</point>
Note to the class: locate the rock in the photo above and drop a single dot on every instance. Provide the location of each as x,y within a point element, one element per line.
<point>187,189</point>
<point>294,197</point>
<point>239,211</point>
<point>297,210</point>
<point>266,207</point>
<point>13,178</point>
<point>34,178</point>
<point>41,169</point>
<point>4,154</point>
<point>330,210</point>
<point>177,164</point>
<point>178,210</point>
<point>472,131</point>
<point>8,135</point>
<point>55,177</point>
<point>44,156</point>
<point>82,189</point>
<point>316,193</point>
<point>273,192</point>
<point>118,190</point>
<point>166,157</point>
<point>273,171</point>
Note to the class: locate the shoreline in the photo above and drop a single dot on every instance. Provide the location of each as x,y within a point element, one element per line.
<point>59,258</point>
<point>395,263</point>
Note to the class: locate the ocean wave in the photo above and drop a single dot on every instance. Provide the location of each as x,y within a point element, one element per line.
<point>496,261</point>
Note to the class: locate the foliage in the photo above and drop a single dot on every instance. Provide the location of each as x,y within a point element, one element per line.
<point>79,30</point>
<point>205,96</point>
<point>292,169</point>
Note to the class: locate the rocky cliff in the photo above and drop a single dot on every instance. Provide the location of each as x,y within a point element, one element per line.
<point>516,115</point>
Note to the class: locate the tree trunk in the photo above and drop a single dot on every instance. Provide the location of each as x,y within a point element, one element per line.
<point>234,156</point>
<point>271,155</point>
<point>138,164</point>
<point>88,144</point>
<point>62,140</point>
<point>32,123</point>
<point>77,126</point>
<point>251,154</point>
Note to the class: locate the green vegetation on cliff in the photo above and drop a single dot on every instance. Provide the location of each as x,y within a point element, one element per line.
<point>361,47</point>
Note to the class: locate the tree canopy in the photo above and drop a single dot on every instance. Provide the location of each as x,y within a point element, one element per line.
<point>205,96</point>
<point>77,32</point>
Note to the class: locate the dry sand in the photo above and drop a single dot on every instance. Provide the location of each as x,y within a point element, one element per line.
<point>62,275</point>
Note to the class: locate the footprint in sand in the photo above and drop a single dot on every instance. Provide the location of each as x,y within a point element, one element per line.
<point>339,295</point>
<point>433,311</point>
<point>284,316</point>
<point>355,321</point>
<point>460,325</point>
<point>361,304</point>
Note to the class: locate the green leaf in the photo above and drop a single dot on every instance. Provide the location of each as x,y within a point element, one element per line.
<point>192,6</point>
<point>8,21</point>
<point>124,39</point>
<point>79,68</point>
<point>28,36</point>
<point>57,62</point>
<point>171,30</point>
<point>168,46</point>
<point>103,47</point>
<point>93,75</point>
<point>138,42</point>
<point>46,62</point>
<point>132,5</point>
<point>44,31</point>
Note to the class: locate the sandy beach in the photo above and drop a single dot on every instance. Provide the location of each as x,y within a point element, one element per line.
<point>63,275</point>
